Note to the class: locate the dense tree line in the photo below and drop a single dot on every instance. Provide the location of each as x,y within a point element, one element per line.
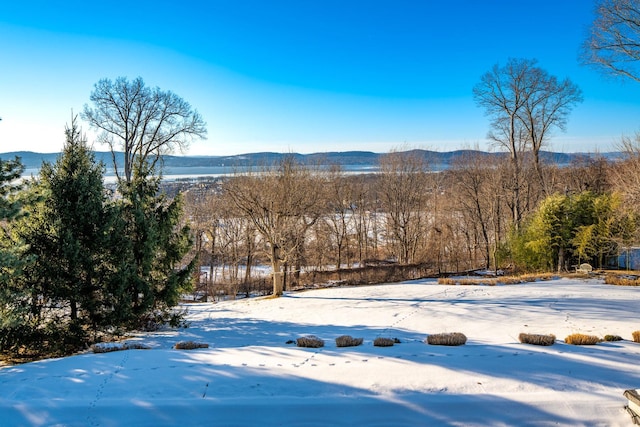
<point>453,220</point>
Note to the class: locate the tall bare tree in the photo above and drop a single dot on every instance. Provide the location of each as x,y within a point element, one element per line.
<point>143,122</point>
<point>472,175</point>
<point>282,204</point>
<point>546,109</point>
<point>403,193</point>
<point>502,93</point>
<point>525,104</point>
<point>339,219</point>
<point>625,176</point>
<point>365,216</point>
<point>613,44</point>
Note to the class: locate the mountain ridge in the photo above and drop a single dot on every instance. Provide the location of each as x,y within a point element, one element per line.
<point>34,160</point>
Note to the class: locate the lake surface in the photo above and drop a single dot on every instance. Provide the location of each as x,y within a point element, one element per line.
<point>206,172</point>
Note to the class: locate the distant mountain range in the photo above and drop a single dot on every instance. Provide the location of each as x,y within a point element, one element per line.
<point>33,160</point>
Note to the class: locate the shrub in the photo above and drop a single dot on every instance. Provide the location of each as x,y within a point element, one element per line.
<point>310,342</point>
<point>492,281</point>
<point>537,339</point>
<point>348,341</point>
<point>450,339</point>
<point>622,280</point>
<point>582,339</point>
<point>636,336</point>
<point>537,276</point>
<point>190,345</point>
<point>383,342</point>
<point>611,338</point>
<point>468,281</point>
<point>109,347</point>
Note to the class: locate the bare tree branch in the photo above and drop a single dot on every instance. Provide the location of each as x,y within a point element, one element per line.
<point>613,44</point>
<point>144,123</point>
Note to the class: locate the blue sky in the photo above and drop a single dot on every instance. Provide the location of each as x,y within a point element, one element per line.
<point>302,76</point>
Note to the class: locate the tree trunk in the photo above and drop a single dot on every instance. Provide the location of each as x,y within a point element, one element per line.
<point>560,259</point>
<point>278,276</point>
<point>278,280</point>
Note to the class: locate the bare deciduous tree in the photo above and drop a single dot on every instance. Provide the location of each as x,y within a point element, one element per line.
<point>339,218</point>
<point>546,109</point>
<point>626,173</point>
<point>502,93</point>
<point>613,44</point>
<point>282,204</point>
<point>525,104</point>
<point>403,194</point>
<point>144,123</point>
<point>471,179</point>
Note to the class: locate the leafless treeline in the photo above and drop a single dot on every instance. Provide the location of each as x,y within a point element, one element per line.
<point>298,218</point>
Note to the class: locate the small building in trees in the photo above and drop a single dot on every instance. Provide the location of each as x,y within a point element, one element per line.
<point>628,258</point>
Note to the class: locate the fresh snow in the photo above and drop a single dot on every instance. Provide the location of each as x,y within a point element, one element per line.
<point>250,376</point>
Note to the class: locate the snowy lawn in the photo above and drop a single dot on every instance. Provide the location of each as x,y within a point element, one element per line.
<point>250,376</point>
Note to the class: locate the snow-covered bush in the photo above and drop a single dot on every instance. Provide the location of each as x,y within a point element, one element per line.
<point>107,347</point>
<point>189,345</point>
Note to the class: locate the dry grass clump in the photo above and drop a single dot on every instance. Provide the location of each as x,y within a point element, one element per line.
<point>310,342</point>
<point>534,277</point>
<point>348,341</point>
<point>636,336</point>
<point>384,342</point>
<point>109,347</point>
<point>612,338</point>
<point>537,339</point>
<point>190,345</point>
<point>450,339</point>
<point>582,339</point>
<point>493,281</point>
<point>622,280</point>
<point>468,281</point>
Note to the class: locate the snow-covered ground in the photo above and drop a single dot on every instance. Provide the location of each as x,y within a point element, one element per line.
<point>250,376</point>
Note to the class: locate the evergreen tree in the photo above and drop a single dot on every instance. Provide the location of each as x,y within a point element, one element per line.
<point>544,239</point>
<point>14,321</point>
<point>584,225</point>
<point>10,206</point>
<point>154,244</point>
<point>67,234</point>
